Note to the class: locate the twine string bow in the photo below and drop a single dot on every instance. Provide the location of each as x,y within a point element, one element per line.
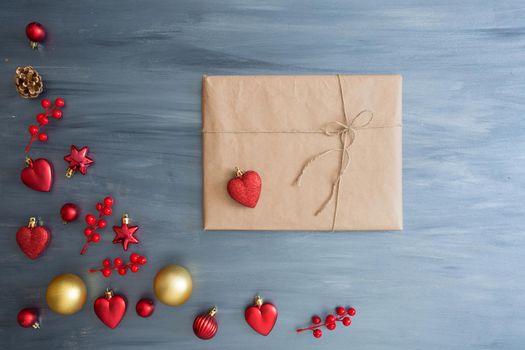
<point>347,134</point>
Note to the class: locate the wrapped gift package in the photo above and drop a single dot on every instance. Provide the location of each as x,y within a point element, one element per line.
<point>327,148</point>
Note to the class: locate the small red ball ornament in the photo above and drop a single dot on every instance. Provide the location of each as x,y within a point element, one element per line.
<point>69,213</point>
<point>245,187</point>
<point>36,33</point>
<point>205,326</point>
<point>145,307</point>
<point>28,318</point>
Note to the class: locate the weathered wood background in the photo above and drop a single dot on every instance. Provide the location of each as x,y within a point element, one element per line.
<point>130,72</point>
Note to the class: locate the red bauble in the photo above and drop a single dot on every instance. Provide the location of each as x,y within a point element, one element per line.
<point>28,318</point>
<point>110,309</point>
<point>69,213</point>
<point>245,188</point>
<point>36,33</point>
<point>261,317</point>
<point>205,326</point>
<point>145,307</point>
<point>125,234</point>
<point>38,174</point>
<point>32,239</point>
<point>78,160</point>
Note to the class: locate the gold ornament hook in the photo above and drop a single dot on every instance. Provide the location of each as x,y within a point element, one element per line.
<point>125,219</point>
<point>238,172</point>
<point>70,172</point>
<point>258,300</point>
<point>108,293</point>
<point>213,311</point>
<point>32,222</point>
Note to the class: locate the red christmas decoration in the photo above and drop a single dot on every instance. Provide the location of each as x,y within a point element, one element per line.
<point>36,33</point>
<point>43,119</point>
<point>125,234</point>
<point>205,326</point>
<point>33,239</point>
<point>261,316</point>
<point>135,261</point>
<point>28,318</point>
<point>341,315</point>
<point>69,213</point>
<point>38,174</point>
<point>78,160</point>
<point>145,307</point>
<point>245,187</point>
<point>95,223</point>
<point>110,308</point>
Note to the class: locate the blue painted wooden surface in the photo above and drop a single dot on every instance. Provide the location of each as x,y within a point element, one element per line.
<point>130,73</point>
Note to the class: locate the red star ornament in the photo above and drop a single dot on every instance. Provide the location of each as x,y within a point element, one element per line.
<point>78,160</point>
<point>125,233</point>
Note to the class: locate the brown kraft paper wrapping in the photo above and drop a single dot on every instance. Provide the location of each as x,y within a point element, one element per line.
<point>276,124</point>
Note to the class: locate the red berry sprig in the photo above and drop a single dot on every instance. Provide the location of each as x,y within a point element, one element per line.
<point>135,261</point>
<point>95,223</point>
<point>341,315</point>
<point>43,119</point>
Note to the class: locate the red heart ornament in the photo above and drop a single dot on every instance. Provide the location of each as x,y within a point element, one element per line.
<point>245,188</point>
<point>32,239</point>
<point>38,175</point>
<point>261,317</point>
<point>110,309</point>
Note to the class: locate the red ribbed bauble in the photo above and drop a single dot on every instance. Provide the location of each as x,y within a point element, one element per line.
<point>69,213</point>
<point>28,318</point>
<point>36,33</point>
<point>145,307</point>
<point>205,326</point>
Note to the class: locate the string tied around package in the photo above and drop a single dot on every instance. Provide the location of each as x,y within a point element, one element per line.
<point>346,131</point>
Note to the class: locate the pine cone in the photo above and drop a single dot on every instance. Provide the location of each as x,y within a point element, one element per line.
<point>29,83</point>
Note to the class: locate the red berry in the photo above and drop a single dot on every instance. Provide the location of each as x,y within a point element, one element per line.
<point>107,211</point>
<point>134,257</point>
<point>99,206</point>
<point>88,231</point>
<point>106,272</point>
<point>42,119</point>
<point>331,326</point>
<point>45,103</point>
<point>102,223</point>
<point>134,268</point>
<point>330,319</point>
<point>117,262</point>
<point>59,102</point>
<point>33,130</point>
<point>91,220</point>
<point>351,311</point>
<point>95,237</point>
<point>142,260</point>
<point>347,321</point>
<point>106,262</point>
<point>108,201</point>
<point>57,114</point>
<point>122,271</point>
<point>340,310</point>
<point>316,319</point>
<point>318,333</point>
<point>42,137</point>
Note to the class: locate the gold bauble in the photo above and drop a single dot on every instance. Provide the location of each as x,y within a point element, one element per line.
<point>66,294</point>
<point>173,285</point>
